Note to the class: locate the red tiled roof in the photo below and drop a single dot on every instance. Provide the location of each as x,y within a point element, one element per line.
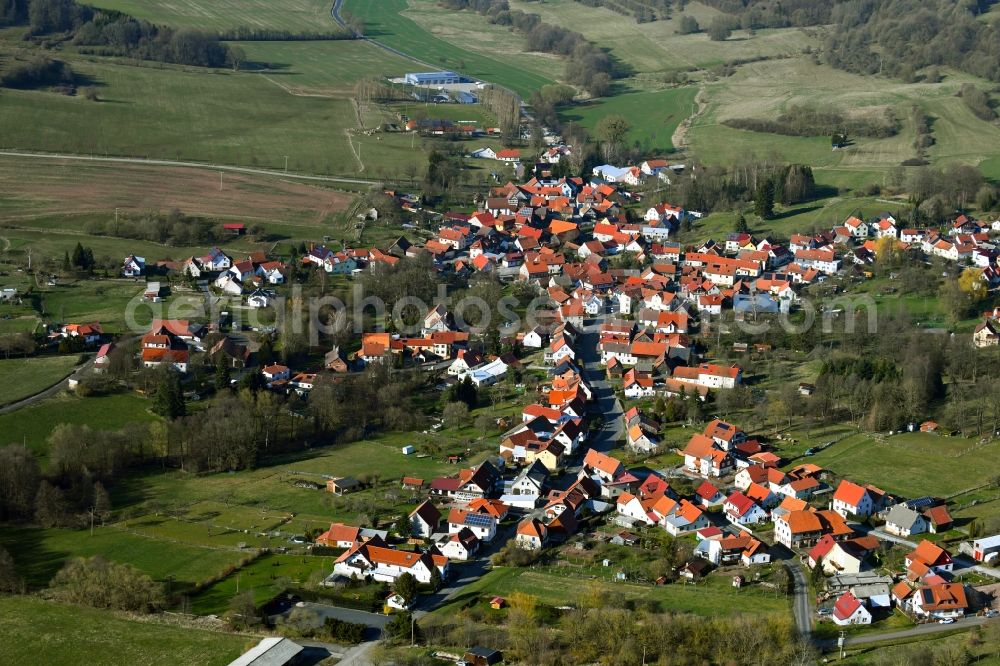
<point>846,606</point>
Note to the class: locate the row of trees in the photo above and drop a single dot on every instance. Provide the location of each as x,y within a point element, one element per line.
<point>505,107</point>
<point>170,228</point>
<point>807,120</point>
<point>111,32</point>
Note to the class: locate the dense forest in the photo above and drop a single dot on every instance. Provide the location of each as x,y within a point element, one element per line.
<point>112,33</point>
<point>899,37</point>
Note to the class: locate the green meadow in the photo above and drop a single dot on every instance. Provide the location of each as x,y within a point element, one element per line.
<point>292,15</point>
<point>33,425</point>
<point>386,22</point>
<point>653,115</point>
<point>27,376</point>
<point>176,113</point>
<point>45,632</point>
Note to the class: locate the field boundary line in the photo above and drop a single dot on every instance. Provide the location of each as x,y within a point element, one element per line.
<point>179,163</point>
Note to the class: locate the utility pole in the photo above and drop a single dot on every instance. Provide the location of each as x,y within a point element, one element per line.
<point>92,521</point>
<point>220,181</point>
<point>286,163</point>
<point>413,632</point>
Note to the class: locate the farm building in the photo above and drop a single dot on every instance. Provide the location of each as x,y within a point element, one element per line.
<point>984,548</point>
<point>432,78</point>
<point>270,652</point>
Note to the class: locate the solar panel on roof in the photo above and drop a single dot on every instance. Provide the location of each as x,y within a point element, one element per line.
<point>478,520</point>
<point>920,502</point>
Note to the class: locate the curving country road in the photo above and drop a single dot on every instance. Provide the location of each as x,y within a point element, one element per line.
<point>801,607</point>
<point>335,14</point>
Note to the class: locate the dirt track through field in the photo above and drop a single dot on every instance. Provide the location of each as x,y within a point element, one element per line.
<point>38,189</point>
<point>679,139</point>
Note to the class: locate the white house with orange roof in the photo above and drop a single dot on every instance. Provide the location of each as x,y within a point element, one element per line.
<point>606,467</point>
<point>531,534</point>
<point>850,499</point>
<point>387,564</point>
<point>857,227</point>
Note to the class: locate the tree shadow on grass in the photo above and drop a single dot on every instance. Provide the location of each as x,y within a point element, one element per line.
<point>34,561</point>
<point>793,212</point>
<point>261,67</point>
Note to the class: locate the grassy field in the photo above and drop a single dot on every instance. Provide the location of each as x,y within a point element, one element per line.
<point>475,34</point>
<point>43,632</point>
<point>33,188</point>
<point>107,302</point>
<point>177,113</point>
<point>264,578</point>
<point>293,15</point>
<point>913,464</point>
<point>714,597</point>
<point>653,115</point>
<point>32,425</point>
<point>48,243</point>
<point>656,46</point>
<point>325,68</point>
<point>27,376</point>
<point>40,553</point>
<point>777,75</point>
<point>386,22</point>
<point>765,89</point>
<point>272,487</point>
